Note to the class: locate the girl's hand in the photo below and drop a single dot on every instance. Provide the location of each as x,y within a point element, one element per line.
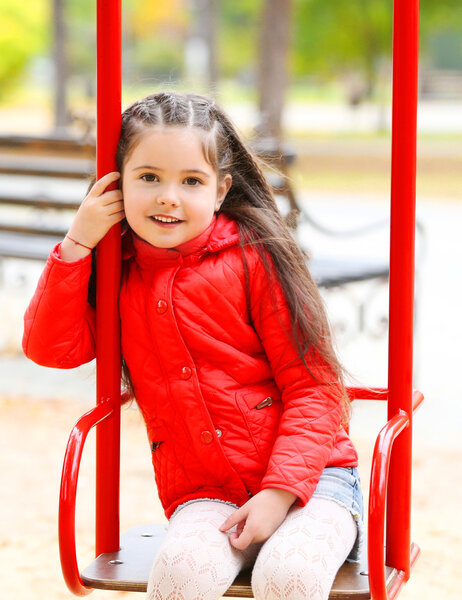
<point>259,518</point>
<point>99,211</point>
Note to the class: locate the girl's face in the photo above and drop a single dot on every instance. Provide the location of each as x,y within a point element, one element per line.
<point>170,191</point>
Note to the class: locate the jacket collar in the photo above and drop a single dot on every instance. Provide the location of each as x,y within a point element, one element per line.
<point>221,233</point>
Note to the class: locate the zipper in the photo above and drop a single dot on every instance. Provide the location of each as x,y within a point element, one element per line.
<point>266,402</point>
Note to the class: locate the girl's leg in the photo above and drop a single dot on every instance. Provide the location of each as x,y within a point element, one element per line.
<point>196,560</point>
<point>300,560</point>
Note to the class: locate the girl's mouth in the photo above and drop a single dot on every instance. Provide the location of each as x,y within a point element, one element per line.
<point>168,222</point>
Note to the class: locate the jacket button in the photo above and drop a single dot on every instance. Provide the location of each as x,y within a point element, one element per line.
<point>185,373</point>
<point>218,432</point>
<point>161,307</point>
<point>206,437</point>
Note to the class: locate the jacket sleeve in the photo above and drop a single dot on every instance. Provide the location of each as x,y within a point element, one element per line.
<point>59,324</point>
<point>312,411</point>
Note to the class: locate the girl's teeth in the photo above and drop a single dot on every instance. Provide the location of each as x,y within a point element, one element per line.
<point>167,220</point>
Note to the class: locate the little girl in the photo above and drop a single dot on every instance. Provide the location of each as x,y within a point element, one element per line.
<point>227,351</point>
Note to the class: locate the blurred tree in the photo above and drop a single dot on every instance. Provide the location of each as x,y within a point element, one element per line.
<point>210,24</point>
<point>273,76</point>
<point>81,44</point>
<point>61,66</point>
<point>200,50</point>
<point>440,34</point>
<point>238,39</point>
<point>148,18</point>
<point>155,36</point>
<point>24,31</point>
<point>334,38</point>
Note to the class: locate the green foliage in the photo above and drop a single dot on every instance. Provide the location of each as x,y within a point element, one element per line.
<point>330,37</point>
<point>238,36</point>
<point>24,29</point>
<point>440,33</point>
<point>80,19</point>
<point>154,35</point>
<point>155,58</point>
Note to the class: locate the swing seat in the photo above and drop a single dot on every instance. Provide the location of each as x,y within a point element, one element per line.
<point>128,568</point>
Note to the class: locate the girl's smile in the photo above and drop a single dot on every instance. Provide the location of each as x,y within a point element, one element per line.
<point>165,221</point>
<point>170,190</point>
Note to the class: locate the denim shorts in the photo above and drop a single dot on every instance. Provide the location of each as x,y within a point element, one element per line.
<point>343,485</point>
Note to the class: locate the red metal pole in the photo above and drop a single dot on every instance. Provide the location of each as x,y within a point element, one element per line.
<point>405,73</point>
<point>109,83</point>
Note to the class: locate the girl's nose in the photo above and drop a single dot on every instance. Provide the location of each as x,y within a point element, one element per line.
<point>168,197</point>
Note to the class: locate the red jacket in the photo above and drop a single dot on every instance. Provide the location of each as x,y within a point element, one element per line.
<point>229,407</point>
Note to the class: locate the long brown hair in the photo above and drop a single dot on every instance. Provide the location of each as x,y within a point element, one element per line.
<point>250,202</point>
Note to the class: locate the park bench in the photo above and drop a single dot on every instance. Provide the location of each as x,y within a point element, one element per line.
<point>33,237</point>
<point>39,219</point>
<point>70,159</point>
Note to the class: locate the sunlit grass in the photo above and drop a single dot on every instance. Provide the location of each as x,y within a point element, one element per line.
<point>436,177</point>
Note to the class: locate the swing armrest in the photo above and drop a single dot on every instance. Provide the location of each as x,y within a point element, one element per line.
<point>68,491</point>
<point>377,506</point>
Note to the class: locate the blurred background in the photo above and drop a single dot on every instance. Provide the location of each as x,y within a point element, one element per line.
<point>308,83</point>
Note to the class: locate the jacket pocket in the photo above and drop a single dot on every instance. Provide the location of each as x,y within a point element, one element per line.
<point>157,433</point>
<point>261,408</point>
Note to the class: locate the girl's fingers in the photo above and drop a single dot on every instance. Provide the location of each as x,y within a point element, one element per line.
<point>232,520</point>
<point>241,540</point>
<point>116,217</point>
<point>103,183</point>
<point>119,216</point>
<point>114,208</point>
<point>111,196</point>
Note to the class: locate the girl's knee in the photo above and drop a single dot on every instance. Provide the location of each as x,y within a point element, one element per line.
<point>271,583</point>
<point>291,579</point>
<point>177,575</point>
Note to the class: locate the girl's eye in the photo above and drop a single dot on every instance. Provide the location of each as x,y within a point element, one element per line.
<point>193,181</point>
<point>149,177</point>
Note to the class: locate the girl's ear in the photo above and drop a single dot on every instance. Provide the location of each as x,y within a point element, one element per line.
<point>223,189</point>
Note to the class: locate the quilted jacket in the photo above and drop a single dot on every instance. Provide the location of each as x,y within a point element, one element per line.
<point>229,407</point>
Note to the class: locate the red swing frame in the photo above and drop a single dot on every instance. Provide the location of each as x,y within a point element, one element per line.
<point>390,487</point>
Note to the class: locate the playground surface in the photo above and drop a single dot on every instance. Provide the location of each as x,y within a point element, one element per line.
<point>39,406</point>
<point>37,432</point>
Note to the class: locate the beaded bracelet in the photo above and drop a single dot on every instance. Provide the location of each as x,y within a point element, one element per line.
<point>78,243</point>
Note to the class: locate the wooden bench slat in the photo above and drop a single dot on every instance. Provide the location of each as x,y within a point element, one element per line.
<point>24,228</point>
<point>22,199</point>
<point>53,143</point>
<point>68,168</point>
<point>128,570</point>
<point>331,272</point>
<point>27,246</point>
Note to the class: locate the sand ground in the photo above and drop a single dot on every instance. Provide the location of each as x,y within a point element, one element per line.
<point>33,438</point>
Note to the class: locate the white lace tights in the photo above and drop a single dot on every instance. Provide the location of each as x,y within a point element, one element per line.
<point>298,562</point>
